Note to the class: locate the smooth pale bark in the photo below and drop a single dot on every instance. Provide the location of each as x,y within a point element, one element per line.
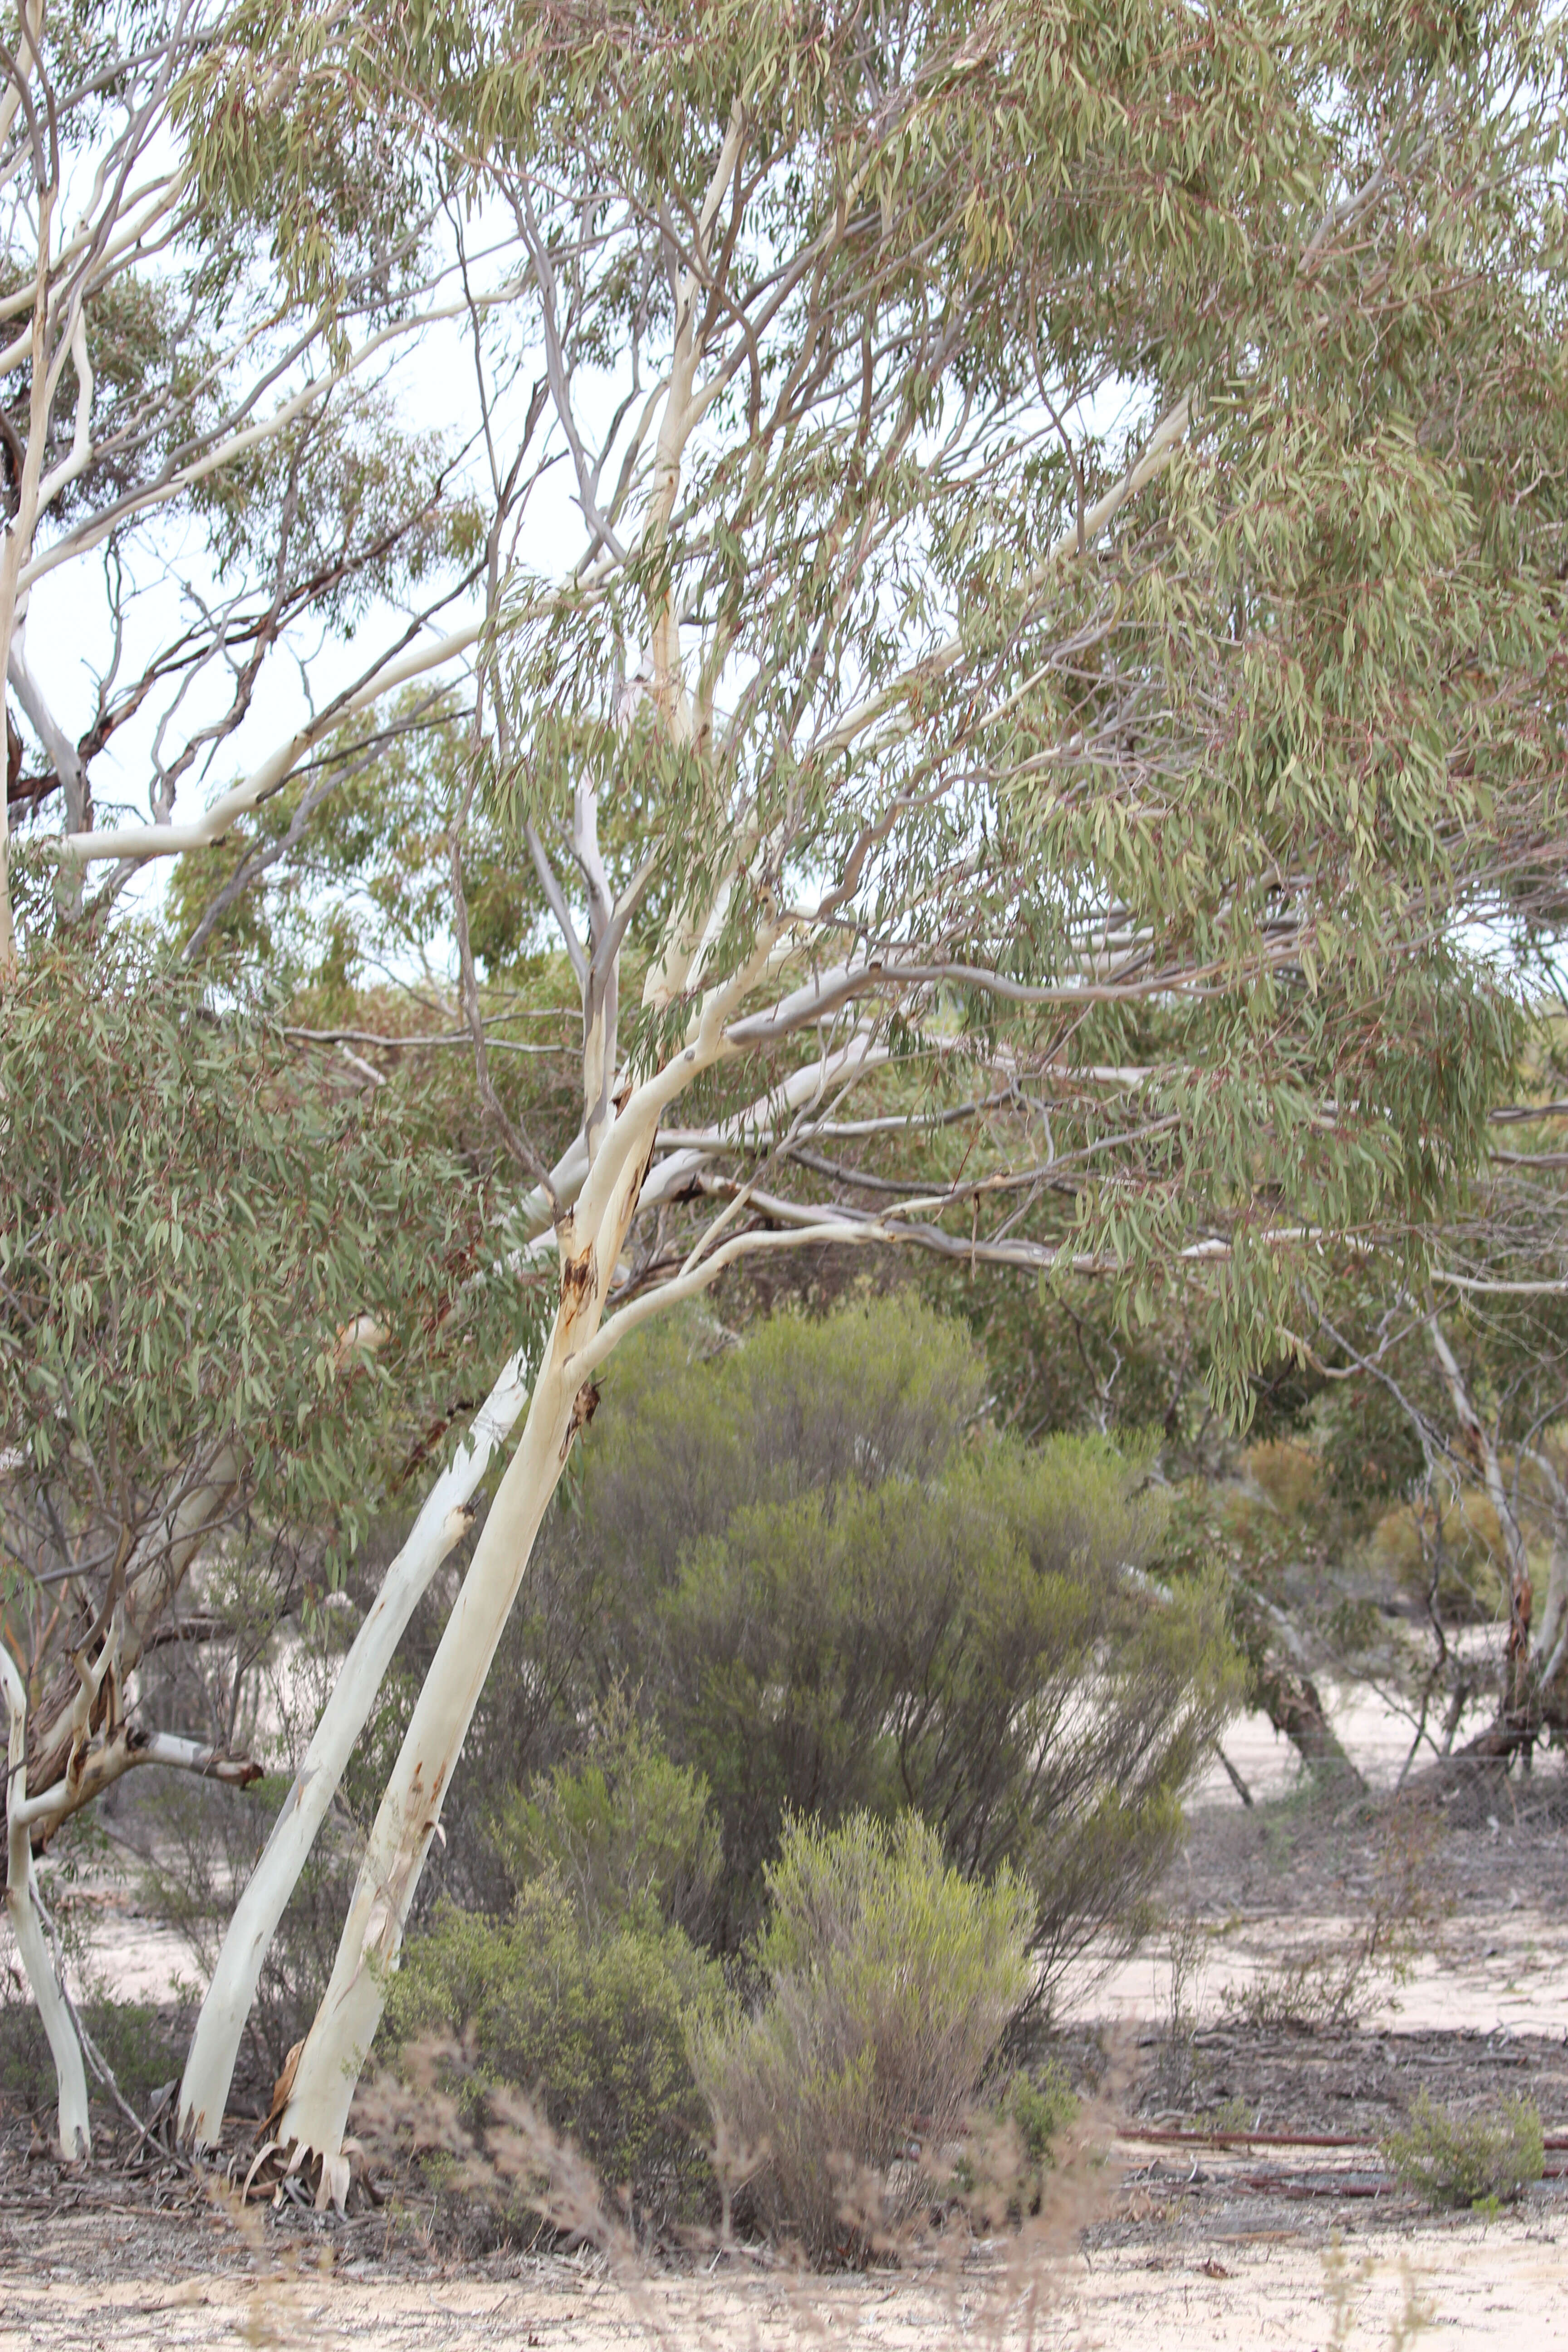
<point>346,2022</point>
<point>26,1926</point>
<point>344,2025</point>
<point>1553,1636</point>
<point>590,1239</point>
<point>209,2067</point>
<point>214,2053</point>
<point>125,1751</point>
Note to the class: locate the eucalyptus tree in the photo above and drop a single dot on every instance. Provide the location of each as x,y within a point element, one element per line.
<point>205,486</point>
<point>227,1291</point>
<point>1061,639</point>
<point>1467,1376</point>
<point>201,456</point>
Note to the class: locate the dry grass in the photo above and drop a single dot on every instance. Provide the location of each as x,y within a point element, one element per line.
<point>1338,1982</point>
<point>978,2247</point>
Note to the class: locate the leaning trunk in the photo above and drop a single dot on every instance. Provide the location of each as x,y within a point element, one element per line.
<point>346,2023</point>
<point>1294,1706</point>
<point>27,1925</point>
<point>444,1519</point>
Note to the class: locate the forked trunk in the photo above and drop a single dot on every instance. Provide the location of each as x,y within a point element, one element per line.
<point>74,1707</point>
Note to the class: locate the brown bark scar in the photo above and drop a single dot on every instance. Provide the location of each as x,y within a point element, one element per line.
<point>579,1277</point>
<point>584,1405</point>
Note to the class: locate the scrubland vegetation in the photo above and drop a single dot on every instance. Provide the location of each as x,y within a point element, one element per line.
<point>781,1058</point>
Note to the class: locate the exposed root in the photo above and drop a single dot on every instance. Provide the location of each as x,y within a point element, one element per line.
<point>303,2177</point>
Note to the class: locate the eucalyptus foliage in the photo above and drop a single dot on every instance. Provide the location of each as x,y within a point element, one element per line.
<point>1063,641</point>
<point>224,1279</point>
<point>1206,797</point>
<point>1066,623</point>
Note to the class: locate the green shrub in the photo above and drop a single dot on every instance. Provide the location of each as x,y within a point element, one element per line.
<point>628,1834</point>
<point>142,2048</point>
<point>589,2019</point>
<point>1039,2108</point>
<point>585,1997</point>
<point>1467,2160</point>
<point>886,1980</point>
<point>1003,2167</point>
<point>26,2070</point>
<point>836,1590</point>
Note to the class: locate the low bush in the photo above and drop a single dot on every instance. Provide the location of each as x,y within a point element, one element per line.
<point>1001,2170</point>
<point>1038,2106</point>
<point>834,1587</point>
<point>142,2047</point>
<point>886,1980</point>
<point>593,2025</point>
<point>584,1999</point>
<point>26,2070</point>
<point>628,1834</point>
<point>1334,1984</point>
<point>1468,2159</point>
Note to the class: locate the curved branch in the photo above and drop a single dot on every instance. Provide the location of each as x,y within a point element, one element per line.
<point>27,1925</point>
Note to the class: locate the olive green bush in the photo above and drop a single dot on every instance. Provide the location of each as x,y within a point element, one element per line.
<point>833,1587</point>
<point>1009,2145</point>
<point>141,2045</point>
<point>886,1980</point>
<point>626,1833</point>
<point>1468,2159</point>
<point>591,2023</point>
<point>585,1995</point>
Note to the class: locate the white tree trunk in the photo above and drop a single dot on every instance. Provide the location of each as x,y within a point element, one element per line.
<point>22,1907</point>
<point>351,2008</point>
<point>209,2066</point>
<point>214,2049</point>
<point>589,1239</point>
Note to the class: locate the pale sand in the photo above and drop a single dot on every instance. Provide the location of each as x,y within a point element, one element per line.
<point>1503,2285</point>
<point>1501,2288</point>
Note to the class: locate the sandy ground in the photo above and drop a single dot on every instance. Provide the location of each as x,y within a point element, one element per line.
<point>1191,2245</point>
<point>140,1960</point>
<point>1220,2290</point>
